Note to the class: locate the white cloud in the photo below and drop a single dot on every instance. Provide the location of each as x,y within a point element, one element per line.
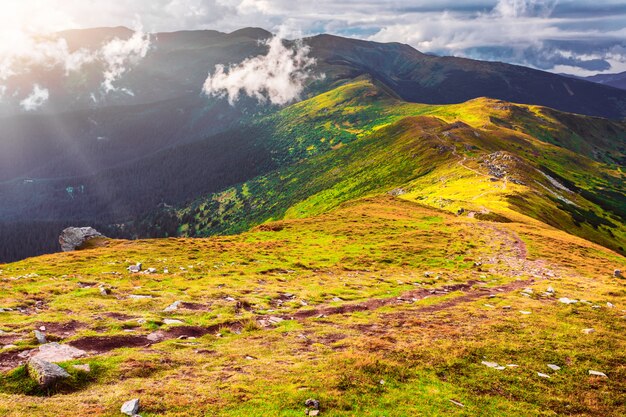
<point>36,99</point>
<point>120,55</point>
<point>278,76</point>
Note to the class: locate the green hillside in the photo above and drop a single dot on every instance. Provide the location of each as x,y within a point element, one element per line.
<point>486,158</point>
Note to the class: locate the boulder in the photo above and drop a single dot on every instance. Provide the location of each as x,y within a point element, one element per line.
<point>130,407</point>
<point>54,352</point>
<point>45,373</point>
<point>73,238</point>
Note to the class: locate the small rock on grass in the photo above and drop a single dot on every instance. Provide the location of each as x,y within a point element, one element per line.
<point>45,373</point>
<point>41,338</point>
<point>597,373</point>
<point>493,365</point>
<point>588,331</point>
<point>543,375</point>
<point>130,407</point>
<point>554,367</point>
<point>312,403</point>
<point>85,368</point>
<point>172,307</point>
<point>457,403</point>
<point>566,300</point>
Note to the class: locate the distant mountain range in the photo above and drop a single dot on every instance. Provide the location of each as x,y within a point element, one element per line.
<point>613,80</point>
<point>137,161</point>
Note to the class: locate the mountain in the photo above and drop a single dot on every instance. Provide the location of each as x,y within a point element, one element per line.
<point>613,80</point>
<point>140,165</point>
<point>392,244</point>
<point>381,306</point>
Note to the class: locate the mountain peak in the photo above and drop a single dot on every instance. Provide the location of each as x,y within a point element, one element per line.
<point>251,32</point>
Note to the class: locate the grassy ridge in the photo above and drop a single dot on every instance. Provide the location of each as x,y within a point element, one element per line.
<point>483,156</point>
<point>409,268</point>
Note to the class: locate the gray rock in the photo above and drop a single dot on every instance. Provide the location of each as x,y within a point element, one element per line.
<point>105,291</point>
<point>618,273</point>
<point>45,373</point>
<point>172,307</point>
<point>172,321</point>
<point>597,373</point>
<point>135,268</point>
<point>312,403</point>
<point>554,367</point>
<point>130,407</point>
<point>85,368</point>
<point>74,238</point>
<point>41,338</point>
<point>54,352</point>
<point>314,413</point>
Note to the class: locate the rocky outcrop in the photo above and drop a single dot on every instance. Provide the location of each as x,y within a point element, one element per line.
<point>45,373</point>
<point>74,238</point>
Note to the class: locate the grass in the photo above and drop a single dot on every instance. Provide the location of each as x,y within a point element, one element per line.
<point>442,156</point>
<point>427,352</point>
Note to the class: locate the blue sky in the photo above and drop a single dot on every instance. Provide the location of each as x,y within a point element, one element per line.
<point>573,36</point>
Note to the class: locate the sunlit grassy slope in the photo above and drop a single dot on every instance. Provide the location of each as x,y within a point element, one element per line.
<point>399,248</point>
<point>388,307</point>
<point>490,158</point>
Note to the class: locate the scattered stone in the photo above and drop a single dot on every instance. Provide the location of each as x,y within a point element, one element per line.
<point>566,300</point>
<point>543,375</point>
<point>554,367</point>
<point>312,403</point>
<point>84,368</point>
<point>139,297</point>
<point>54,352</point>
<point>155,336</point>
<point>45,373</point>
<point>489,305</point>
<point>41,338</point>
<point>172,321</point>
<point>9,346</point>
<point>337,299</point>
<point>527,291</point>
<point>104,291</point>
<point>166,271</point>
<point>457,403</point>
<point>588,331</point>
<point>506,307</point>
<point>525,312</point>
<point>609,305</point>
<point>512,365</point>
<point>550,290</point>
<point>275,320</point>
<point>618,273</point>
<point>130,407</point>
<point>73,238</point>
<point>42,328</point>
<point>151,271</point>
<point>229,299</point>
<point>133,269</point>
<point>172,307</point>
<point>314,413</point>
<point>493,365</point>
<point>597,373</point>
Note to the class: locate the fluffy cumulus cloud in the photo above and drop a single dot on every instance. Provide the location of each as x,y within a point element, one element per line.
<point>35,99</point>
<point>277,77</point>
<point>120,55</point>
<point>577,36</point>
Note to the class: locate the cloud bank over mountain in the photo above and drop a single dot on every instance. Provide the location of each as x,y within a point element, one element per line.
<point>575,36</point>
<point>277,77</point>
